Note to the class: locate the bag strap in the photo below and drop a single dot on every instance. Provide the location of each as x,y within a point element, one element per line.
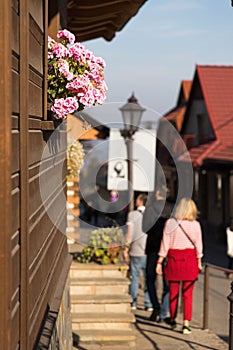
<point>185,232</point>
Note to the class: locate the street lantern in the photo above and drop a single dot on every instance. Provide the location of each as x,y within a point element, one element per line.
<point>131,115</point>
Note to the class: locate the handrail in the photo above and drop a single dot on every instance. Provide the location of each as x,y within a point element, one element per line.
<point>207,267</point>
<point>216,267</point>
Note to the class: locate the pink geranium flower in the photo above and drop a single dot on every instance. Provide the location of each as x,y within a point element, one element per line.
<point>75,76</point>
<point>65,34</point>
<point>63,106</point>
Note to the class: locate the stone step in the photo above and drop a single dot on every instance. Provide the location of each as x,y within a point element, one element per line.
<point>98,285</point>
<point>100,303</point>
<point>101,299</point>
<point>99,280</point>
<point>90,270</point>
<point>100,306</point>
<point>110,338</point>
<point>107,347</point>
<point>107,320</point>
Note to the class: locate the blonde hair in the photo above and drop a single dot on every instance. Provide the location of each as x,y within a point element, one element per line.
<point>186,209</point>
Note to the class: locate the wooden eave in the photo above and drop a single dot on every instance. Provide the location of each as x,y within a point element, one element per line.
<point>91,19</point>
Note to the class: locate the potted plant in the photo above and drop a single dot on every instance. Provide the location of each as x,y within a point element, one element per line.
<point>105,246</point>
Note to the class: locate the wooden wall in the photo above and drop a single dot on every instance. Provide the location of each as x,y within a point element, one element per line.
<point>34,255</point>
<point>5,172</point>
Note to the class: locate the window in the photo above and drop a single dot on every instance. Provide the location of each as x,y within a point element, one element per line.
<point>202,132</point>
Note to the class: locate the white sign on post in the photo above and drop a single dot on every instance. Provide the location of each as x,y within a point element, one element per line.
<point>144,153</point>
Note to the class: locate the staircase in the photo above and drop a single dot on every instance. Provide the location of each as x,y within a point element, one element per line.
<point>100,307</point>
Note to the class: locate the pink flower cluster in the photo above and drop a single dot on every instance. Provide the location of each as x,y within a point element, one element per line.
<point>75,76</point>
<point>65,34</point>
<point>62,107</point>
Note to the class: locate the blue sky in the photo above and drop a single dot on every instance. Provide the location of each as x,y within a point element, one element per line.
<point>158,48</point>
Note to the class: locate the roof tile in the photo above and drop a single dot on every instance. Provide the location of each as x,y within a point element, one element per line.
<point>217,86</point>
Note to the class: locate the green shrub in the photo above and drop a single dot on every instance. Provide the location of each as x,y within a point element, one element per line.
<point>105,246</point>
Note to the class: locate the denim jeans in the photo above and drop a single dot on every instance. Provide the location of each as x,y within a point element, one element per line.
<point>138,264</point>
<point>151,279</point>
<point>164,307</point>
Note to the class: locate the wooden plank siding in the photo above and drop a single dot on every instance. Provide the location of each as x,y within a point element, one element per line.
<point>5,184</point>
<point>15,179</point>
<point>34,259</point>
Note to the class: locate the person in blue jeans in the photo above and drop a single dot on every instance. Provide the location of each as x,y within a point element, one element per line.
<point>160,310</point>
<point>135,252</point>
<point>156,213</point>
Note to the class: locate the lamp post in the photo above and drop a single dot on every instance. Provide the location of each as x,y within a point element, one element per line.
<point>131,114</point>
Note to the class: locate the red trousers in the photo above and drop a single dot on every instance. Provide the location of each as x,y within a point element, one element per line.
<point>187,296</point>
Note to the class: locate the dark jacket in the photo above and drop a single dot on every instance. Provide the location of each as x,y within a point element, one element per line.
<point>154,218</point>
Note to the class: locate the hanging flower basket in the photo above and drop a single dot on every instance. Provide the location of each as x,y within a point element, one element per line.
<point>75,76</point>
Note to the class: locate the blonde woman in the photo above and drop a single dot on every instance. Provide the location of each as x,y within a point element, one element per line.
<point>182,244</point>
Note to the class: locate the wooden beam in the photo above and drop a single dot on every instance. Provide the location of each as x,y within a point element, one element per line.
<point>5,178</point>
<point>24,172</point>
<point>53,18</point>
<point>89,19</point>
<point>54,26</point>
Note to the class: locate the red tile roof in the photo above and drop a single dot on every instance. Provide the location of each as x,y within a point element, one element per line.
<point>186,85</point>
<point>176,115</point>
<point>223,153</point>
<point>217,87</point>
<point>197,154</point>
